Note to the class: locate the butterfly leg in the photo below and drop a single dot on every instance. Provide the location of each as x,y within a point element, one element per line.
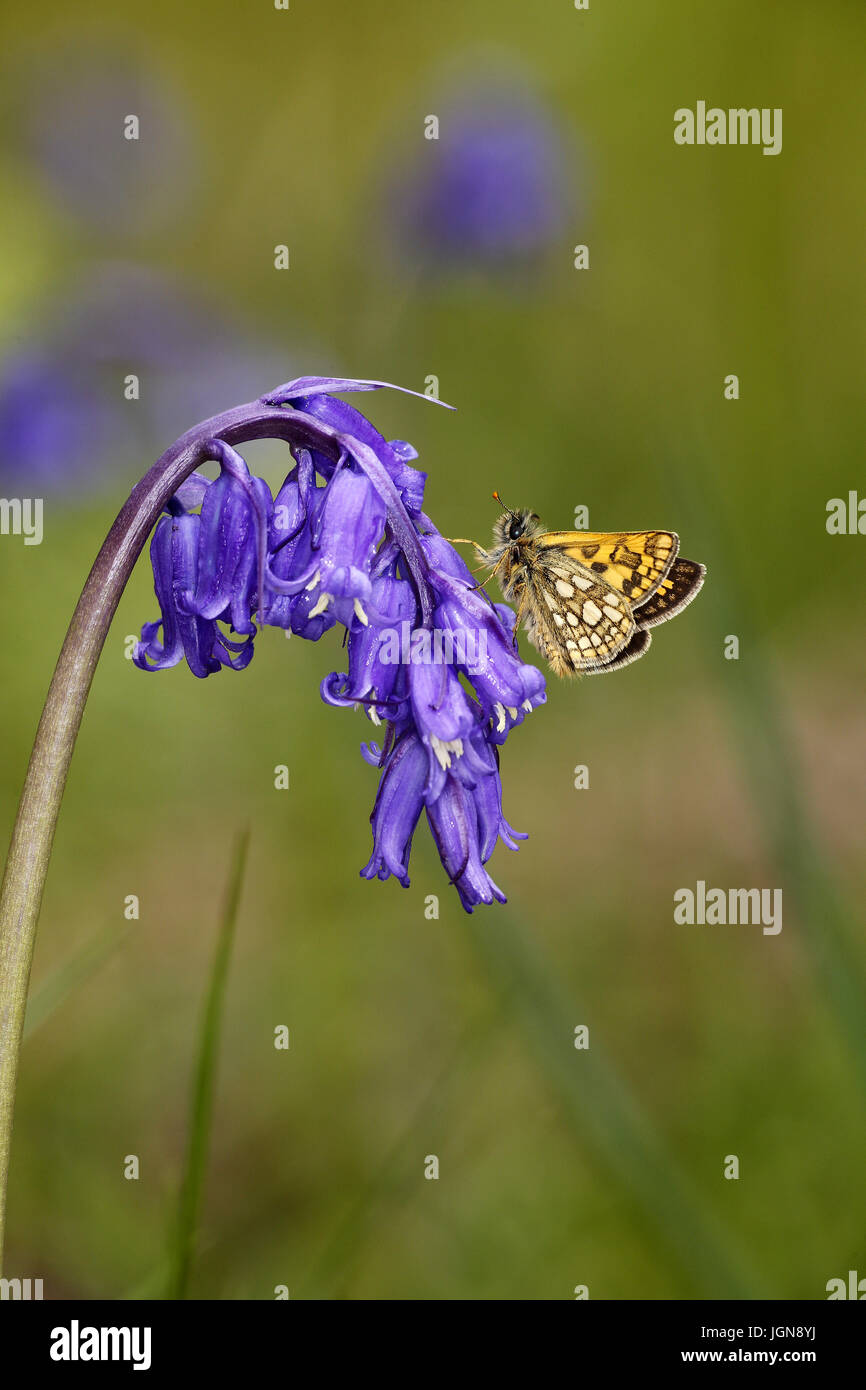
<point>521,607</point>
<point>486,560</point>
<point>495,570</point>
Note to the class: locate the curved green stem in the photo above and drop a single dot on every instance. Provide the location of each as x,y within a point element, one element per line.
<point>33,832</point>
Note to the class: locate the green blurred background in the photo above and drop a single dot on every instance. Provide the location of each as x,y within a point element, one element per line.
<point>602,387</point>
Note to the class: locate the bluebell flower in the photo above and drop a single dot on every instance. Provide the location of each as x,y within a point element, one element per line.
<point>465,815</point>
<point>455,821</point>
<point>64,421</point>
<point>206,567</point>
<point>374,679</point>
<point>506,687</point>
<point>491,191</point>
<point>52,421</point>
<point>344,524</point>
<point>398,807</point>
<point>77,97</point>
<point>346,542</point>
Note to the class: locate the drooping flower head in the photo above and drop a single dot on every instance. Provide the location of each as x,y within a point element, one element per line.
<point>431,660</point>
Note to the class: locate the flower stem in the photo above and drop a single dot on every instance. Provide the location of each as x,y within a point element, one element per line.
<point>39,807</point>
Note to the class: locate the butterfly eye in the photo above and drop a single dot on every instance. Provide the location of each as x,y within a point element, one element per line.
<point>515,530</point>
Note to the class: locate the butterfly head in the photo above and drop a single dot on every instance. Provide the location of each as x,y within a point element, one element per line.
<point>513,526</point>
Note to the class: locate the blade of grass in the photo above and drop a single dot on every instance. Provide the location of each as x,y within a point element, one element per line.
<point>201,1100</point>
<point>151,1287</point>
<point>826,925</point>
<point>606,1116</point>
<point>343,1248</point>
<point>56,989</point>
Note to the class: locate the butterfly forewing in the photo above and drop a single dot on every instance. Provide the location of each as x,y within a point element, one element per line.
<point>632,562</point>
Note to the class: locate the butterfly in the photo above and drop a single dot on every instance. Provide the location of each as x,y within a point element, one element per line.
<point>588,598</point>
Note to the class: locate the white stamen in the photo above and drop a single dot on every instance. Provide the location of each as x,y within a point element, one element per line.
<point>443,749</point>
<point>320,605</point>
<point>359,612</point>
<point>314,581</point>
<point>500,717</point>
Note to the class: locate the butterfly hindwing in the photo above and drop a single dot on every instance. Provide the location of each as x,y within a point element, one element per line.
<point>575,619</point>
<point>635,647</point>
<point>677,589</point>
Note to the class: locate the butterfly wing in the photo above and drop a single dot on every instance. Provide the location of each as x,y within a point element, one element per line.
<point>634,563</point>
<point>635,647</point>
<point>676,590</point>
<point>574,617</point>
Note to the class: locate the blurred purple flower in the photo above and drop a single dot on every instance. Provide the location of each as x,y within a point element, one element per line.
<point>52,424</point>
<point>76,101</point>
<point>356,549</point>
<point>493,190</point>
<point>64,421</point>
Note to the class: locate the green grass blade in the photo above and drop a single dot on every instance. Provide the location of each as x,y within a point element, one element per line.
<point>201,1101</point>
<point>605,1115</point>
<point>826,925</point>
<point>334,1264</point>
<point>51,993</point>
